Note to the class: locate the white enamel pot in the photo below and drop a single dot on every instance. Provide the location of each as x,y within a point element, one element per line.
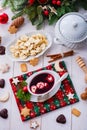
<point>71,30</point>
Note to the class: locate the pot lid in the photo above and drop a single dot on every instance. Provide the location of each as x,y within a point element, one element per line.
<point>73,27</point>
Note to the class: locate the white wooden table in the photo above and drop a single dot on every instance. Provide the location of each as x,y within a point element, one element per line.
<point>46,121</point>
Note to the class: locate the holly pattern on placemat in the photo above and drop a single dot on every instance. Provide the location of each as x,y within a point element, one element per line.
<point>66,95</point>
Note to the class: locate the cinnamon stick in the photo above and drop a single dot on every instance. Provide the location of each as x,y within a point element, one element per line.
<point>69,53</point>
<point>55,57</point>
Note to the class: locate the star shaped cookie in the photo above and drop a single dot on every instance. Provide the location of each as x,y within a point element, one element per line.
<point>34,124</point>
<point>12,29</point>
<point>25,112</point>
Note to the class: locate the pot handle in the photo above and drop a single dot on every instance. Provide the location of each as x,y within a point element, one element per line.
<point>85,16</point>
<point>57,41</point>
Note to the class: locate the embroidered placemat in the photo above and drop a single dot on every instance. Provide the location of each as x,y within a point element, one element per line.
<point>66,95</point>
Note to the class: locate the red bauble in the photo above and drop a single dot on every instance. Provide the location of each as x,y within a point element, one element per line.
<point>3,18</point>
<point>46,12</point>
<point>42,1</point>
<point>58,3</point>
<point>54,2</point>
<point>25,89</point>
<point>31,2</point>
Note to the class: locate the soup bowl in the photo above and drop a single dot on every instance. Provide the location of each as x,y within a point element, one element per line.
<point>44,84</point>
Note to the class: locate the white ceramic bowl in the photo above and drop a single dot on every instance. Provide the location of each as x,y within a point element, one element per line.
<point>49,39</point>
<point>45,95</point>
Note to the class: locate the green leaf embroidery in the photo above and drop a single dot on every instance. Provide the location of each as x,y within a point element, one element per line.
<point>23,96</point>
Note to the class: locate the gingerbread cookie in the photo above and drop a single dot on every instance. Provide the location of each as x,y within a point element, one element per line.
<point>23,67</point>
<point>4,68</point>
<point>0,39</point>
<point>12,29</point>
<point>4,97</point>
<point>25,112</point>
<point>2,83</point>
<point>82,65</point>
<point>61,119</point>
<point>34,124</point>
<point>2,50</point>
<point>4,113</point>
<point>34,61</point>
<point>76,112</point>
<point>84,95</point>
<point>57,67</point>
<point>16,24</point>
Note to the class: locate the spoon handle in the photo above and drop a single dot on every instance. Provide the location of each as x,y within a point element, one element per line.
<point>62,78</point>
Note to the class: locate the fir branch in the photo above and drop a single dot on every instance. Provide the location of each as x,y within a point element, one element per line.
<point>5,3</point>
<point>18,14</point>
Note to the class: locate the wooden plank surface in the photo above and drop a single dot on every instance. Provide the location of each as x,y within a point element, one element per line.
<point>47,121</point>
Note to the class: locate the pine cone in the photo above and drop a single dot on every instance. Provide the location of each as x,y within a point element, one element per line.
<point>18,22</point>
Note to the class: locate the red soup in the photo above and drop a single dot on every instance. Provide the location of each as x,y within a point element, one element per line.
<point>42,83</point>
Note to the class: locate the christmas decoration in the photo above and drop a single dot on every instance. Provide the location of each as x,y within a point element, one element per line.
<point>3,18</point>
<point>40,10</point>
<point>15,81</point>
<point>70,95</point>
<point>34,124</point>
<point>61,119</point>
<point>66,95</point>
<point>16,24</point>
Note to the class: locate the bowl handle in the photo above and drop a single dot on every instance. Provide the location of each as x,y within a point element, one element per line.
<point>57,41</point>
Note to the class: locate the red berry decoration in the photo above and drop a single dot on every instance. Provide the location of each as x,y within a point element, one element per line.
<point>43,110</point>
<point>29,105</point>
<point>46,12</point>
<point>63,103</point>
<point>25,89</point>
<point>31,2</point>
<point>54,2</point>
<point>52,107</point>
<point>59,95</point>
<point>32,114</point>
<point>42,1</point>
<point>58,3</point>
<point>3,18</point>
